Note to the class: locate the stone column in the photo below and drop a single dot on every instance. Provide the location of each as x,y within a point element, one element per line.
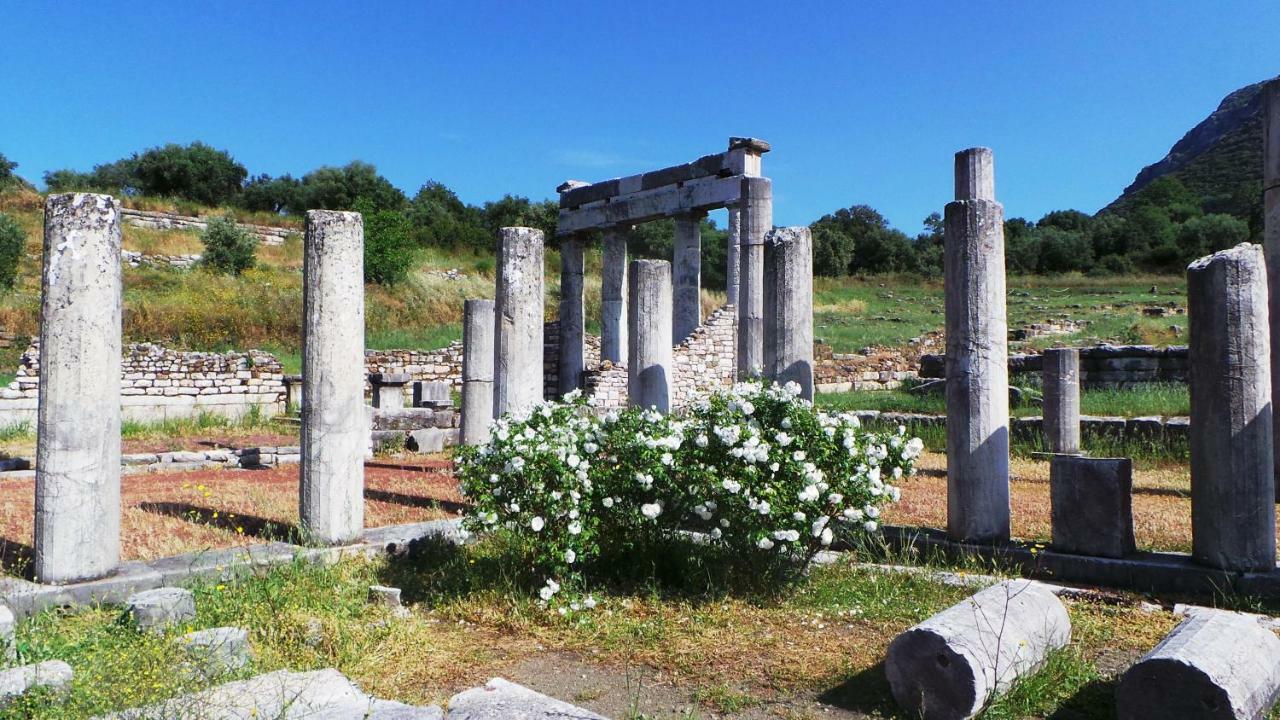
<point>77,528</point>
<point>757,219</point>
<point>732,257</point>
<point>977,355</point>
<point>1271,230</point>
<point>788,316</point>
<point>477,371</point>
<point>572,317</point>
<point>649,365</point>
<point>613,297</point>
<point>518,319</point>
<point>1232,482</point>
<point>686,278</point>
<point>335,432</point>
<point>1060,368</point>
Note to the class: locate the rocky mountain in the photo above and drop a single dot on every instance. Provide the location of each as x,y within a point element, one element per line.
<point>1216,157</point>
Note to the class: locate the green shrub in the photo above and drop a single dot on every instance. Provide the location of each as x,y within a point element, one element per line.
<point>764,475</point>
<point>389,251</point>
<point>228,248</point>
<point>12,242</point>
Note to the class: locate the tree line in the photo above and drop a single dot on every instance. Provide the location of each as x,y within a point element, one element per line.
<point>1159,229</point>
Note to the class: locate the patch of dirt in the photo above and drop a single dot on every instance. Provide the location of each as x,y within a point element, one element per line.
<point>643,691</point>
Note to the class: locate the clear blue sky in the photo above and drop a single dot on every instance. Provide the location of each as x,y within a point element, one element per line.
<point>864,102</point>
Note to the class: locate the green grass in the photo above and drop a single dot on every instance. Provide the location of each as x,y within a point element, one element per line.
<point>1162,399</point>
<point>253,420</point>
<point>729,643</point>
<point>888,311</point>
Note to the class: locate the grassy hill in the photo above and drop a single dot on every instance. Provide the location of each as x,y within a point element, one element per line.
<point>1217,157</point>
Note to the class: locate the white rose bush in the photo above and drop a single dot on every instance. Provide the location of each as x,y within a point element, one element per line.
<point>753,469</point>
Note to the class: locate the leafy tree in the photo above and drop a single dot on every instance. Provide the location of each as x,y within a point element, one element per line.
<point>516,211</point>
<point>117,178</point>
<point>1208,234</point>
<point>859,240</point>
<point>388,244</point>
<point>1062,251</point>
<point>280,195</point>
<point>440,219</point>
<point>195,172</point>
<point>7,167</point>
<point>1071,220</point>
<point>12,244</point>
<point>930,245</point>
<point>228,248</point>
<point>331,188</point>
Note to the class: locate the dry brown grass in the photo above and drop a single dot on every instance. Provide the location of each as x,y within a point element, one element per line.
<point>1161,502</point>
<point>171,513</point>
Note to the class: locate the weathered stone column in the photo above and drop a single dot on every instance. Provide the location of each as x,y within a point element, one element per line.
<point>732,257</point>
<point>518,319</point>
<point>1060,369</point>
<point>1216,664</point>
<point>77,528</point>
<point>334,429</point>
<point>477,371</point>
<point>1233,522</point>
<point>788,315</point>
<point>956,662</point>
<point>686,278</point>
<point>977,355</point>
<point>649,365</point>
<point>1271,232</point>
<point>613,297</point>
<point>757,219</point>
<point>572,316</point>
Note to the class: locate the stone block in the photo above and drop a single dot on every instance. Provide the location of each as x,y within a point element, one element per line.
<point>8,634</point>
<point>1092,505</point>
<point>503,700</point>
<point>217,651</point>
<point>956,662</point>
<point>161,608</point>
<point>431,440</point>
<point>434,394</point>
<point>389,598</point>
<point>52,674</point>
<point>1213,665</point>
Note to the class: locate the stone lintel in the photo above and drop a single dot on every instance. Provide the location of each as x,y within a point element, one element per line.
<point>749,143</point>
<point>717,165</point>
<point>701,194</point>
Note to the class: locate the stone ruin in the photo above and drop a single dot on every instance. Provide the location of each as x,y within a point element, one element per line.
<point>948,666</point>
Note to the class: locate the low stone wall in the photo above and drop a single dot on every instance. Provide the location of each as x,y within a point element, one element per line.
<point>266,234</point>
<point>1103,366</point>
<point>704,362</point>
<point>180,262</point>
<point>1120,428</point>
<point>842,372</point>
<point>161,384</point>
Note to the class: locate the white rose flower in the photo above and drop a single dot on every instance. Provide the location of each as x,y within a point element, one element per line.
<point>825,538</point>
<point>716,533</point>
<point>870,526</point>
<point>651,510</point>
<point>536,524</point>
<point>764,544</point>
<point>575,528</point>
<point>607,502</point>
<point>570,556</point>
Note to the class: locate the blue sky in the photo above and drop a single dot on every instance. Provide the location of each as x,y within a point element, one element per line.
<point>864,102</point>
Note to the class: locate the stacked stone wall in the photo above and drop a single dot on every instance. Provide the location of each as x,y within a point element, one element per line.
<point>149,369</point>
<point>266,234</point>
<point>1103,366</point>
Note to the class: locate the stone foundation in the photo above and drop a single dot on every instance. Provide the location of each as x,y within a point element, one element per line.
<point>266,234</point>
<point>1103,366</point>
